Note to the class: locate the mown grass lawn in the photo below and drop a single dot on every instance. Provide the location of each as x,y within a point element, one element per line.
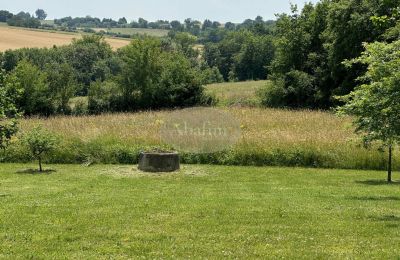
<point>107,212</point>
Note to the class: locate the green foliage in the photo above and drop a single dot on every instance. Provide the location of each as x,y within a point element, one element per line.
<point>185,42</point>
<point>140,72</point>
<point>46,90</point>
<point>23,19</point>
<point>41,14</point>
<point>9,91</point>
<point>375,103</point>
<point>179,85</point>
<point>5,15</point>
<point>84,56</point>
<point>62,85</point>
<point>317,40</point>
<point>40,142</point>
<point>36,97</point>
<point>210,76</point>
<point>149,73</point>
<point>273,94</point>
<point>241,55</point>
<point>295,89</point>
<point>253,58</point>
<point>104,97</point>
<point>302,53</point>
<point>154,78</point>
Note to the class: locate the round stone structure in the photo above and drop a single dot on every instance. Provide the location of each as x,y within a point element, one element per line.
<point>159,161</point>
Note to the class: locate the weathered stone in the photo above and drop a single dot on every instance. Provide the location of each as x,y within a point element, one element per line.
<point>159,162</point>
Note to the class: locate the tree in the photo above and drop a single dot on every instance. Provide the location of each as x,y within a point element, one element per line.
<point>155,78</point>
<point>179,84</point>
<point>40,142</point>
<point>143,23</point>
<point>5,15</point>
<point>176,26</point>
<point>36,97</point>
<point>9,91</point>
<point>186,42</point>
<point>254,58</point>
<point>207,24</point>
<point>41,14</point>
<point>122,20</point>
<point>83,54</point>
<point>103,97</point>
<point>230,26</point>
<point>140,71</point>
<point>375,103</point>
<point>23,19</point>
<point>62,85</point>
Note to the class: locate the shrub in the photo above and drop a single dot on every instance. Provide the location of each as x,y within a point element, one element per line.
<point>294,89</point>
<point>103,97</point>
<point>272,94</point>
<point>80,107</point>
<point>211,75</point>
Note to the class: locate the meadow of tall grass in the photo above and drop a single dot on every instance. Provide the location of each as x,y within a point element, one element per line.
<point>275,137</point>
<point>237,93</point>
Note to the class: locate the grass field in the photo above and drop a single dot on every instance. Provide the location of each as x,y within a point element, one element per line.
<point>269,137</point>
<point>238,93</point>
<point>15,38</point>
<point>105,212</point>
<point>134,31</point>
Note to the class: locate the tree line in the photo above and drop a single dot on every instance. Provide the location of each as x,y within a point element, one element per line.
<point>146,74</point>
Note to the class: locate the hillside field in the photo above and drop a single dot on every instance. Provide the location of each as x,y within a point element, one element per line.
<point>15,38</point>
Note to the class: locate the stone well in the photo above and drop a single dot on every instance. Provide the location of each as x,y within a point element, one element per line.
<point>159,162</point>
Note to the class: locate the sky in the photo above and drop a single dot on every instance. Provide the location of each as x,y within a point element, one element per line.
<point>218,10</point>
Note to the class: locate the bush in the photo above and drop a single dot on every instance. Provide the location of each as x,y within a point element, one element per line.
<point>272,94</point>
<point>211,75</point>
<point>294,89</point>
<point>103,97</point>
<point>80,107</point>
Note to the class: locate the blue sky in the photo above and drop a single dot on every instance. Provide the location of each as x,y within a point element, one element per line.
<point>220,10</point>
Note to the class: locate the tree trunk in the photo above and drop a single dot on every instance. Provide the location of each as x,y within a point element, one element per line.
<point>390,164</point>
<point>40,164</point>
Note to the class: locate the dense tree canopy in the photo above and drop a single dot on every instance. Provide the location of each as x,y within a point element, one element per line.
<point>312,44</point>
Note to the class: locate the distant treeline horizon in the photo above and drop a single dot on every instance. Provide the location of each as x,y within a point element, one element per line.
<point>95,22</point>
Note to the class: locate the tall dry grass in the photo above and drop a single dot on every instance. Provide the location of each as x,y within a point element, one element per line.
<point>269,137</point>
<point>237,93</point>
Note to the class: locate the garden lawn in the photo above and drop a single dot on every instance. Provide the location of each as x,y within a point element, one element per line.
<point>104,212</point>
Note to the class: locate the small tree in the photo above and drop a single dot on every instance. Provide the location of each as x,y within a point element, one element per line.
<point>375,104</point>
<point>40,142</point>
